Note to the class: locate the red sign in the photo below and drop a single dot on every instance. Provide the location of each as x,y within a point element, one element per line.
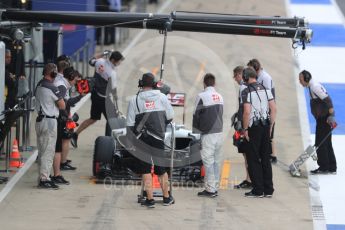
<point>215,97</point>
<point>176,99</point>
<point>149,104</point>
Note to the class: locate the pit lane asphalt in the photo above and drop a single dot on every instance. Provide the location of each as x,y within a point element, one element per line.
<point>85,205</point>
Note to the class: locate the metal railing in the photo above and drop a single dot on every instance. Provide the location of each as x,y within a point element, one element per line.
<point>80,58</point>
<point>121,34</point>
<point>35,68</point>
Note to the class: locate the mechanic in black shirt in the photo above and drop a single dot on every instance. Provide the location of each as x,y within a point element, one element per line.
<point>11,82</point>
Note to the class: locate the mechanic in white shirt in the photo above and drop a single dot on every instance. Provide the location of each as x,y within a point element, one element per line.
<point>322,109</point>
<point>105,71</point>
<point>265,79</point>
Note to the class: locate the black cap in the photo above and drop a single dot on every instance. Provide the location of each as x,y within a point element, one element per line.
<point>116,55</point>
<point>148,80</point>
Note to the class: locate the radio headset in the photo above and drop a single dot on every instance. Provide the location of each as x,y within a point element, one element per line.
<point>306,76</point>
<point>153,84</point>
<point>149,76</point>
<point>53,72</point>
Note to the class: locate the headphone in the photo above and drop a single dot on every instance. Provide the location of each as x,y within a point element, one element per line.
<point>306,76</point>
<point>247,72</point>
<point>140,83</point>
<point>53,72</point>
<point>149,78</point>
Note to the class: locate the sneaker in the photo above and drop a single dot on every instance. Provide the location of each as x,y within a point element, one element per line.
<point>3,179</point>
<point>47,184</point>
<point>251,194</point>
<point>268,195</point>
<point>168,201</point>
<point>59,180</point>
<point>67,166</point>
<point>244,184</point>
<point>318,171</point>
<point>69,161</point>
<point>149,203</point>
<point>273,159</point>
<point>206,193</point>
<point>333,172</point>
<point>74,140</point>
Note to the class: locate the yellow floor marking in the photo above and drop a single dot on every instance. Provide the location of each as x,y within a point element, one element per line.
<point>92,181</point>
<point>85,177</point>
<point>224,181</point>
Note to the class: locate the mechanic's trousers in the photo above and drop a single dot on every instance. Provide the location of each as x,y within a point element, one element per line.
<point>325,154</point>
<point>212,158</point>
<point>259,165</point>
<point>46,132</point>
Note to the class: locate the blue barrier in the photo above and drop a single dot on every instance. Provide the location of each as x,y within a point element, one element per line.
<point>75,36</point>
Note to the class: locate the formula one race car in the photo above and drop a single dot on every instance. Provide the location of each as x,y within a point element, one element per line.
<point>114,156</point>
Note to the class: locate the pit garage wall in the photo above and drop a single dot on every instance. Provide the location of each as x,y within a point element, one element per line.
<point>324,58</point>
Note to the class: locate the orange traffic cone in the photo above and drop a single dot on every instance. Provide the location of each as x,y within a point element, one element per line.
<point>16,160</point>
<point>155,181</point>
<point>156,186</point>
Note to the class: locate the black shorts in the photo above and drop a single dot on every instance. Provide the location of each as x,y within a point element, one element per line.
<point>145,167</point>
<point>60,130</point>
<point>97,107</point>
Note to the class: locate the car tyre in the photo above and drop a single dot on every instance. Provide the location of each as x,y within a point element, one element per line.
<point>103,153</point>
